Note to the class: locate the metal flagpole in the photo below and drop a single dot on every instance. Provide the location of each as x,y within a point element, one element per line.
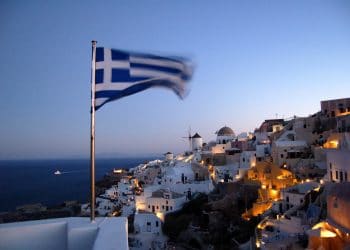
<point>92,137</point>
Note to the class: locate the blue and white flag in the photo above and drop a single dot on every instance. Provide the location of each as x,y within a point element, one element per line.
<point>119,74</point>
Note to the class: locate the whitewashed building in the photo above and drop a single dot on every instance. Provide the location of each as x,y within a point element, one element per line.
<point>164,201</point>
<point>224,135</point>
<point>295,195</point>
<point>288,152</point>
<point>338,165</point>
<point>247,159</point>
<point>197,142</point>
<point>145,222</point>
<point>169,156</point>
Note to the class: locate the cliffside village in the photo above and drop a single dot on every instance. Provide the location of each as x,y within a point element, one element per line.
<point>300,169</point>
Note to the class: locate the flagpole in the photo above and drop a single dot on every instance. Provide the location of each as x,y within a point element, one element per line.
<point>92,137</point>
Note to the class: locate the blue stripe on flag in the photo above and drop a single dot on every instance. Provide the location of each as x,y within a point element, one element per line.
<point>117,94</point>
<point>123,75</point>
<point>170,58</point>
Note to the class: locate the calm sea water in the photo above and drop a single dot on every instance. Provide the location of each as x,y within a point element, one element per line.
<point>33,181</point>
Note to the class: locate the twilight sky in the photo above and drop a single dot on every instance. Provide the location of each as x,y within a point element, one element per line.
<point>254,59</point>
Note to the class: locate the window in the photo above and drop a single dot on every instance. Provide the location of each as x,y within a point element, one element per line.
<point>330,165</point>
<point>148,226</point>
<point>281,155</point>
<point>163,207</point>
<point>287,199</point>
<point>149,206</point>
<point>171,208</point>
<point>301,201</point>
<point>335,203</point>
<point>336,175</point>
<point>331,175</point>
<point>341,176</point>
<point>346,176</point>
<point>167,202</point>
<point>157,207</point>
<point>157,223</point>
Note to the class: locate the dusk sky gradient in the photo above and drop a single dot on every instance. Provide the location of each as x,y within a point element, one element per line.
<point>254,59</point>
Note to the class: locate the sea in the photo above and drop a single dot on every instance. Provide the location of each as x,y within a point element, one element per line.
<point>33,181</point>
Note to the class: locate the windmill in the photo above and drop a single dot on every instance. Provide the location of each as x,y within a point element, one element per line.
<point>189,138</point>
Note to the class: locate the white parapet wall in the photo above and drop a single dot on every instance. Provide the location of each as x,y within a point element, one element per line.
<point>70,233</point>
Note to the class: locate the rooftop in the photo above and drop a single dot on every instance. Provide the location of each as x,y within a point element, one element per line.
<point>160,194</point>
<point>291,143</point>
<point>225,131</point>
<point>196,135</point>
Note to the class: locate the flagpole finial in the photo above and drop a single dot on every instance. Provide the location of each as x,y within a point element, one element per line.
<point>93,42</point>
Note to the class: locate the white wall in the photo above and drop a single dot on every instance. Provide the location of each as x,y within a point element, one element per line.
<point>221,148</point>
<point>197,143</point>
<point>260,150</point>
<point>295,199</point>
<point>147,223</point>
<point>162,205</point>
<point>338,161</point>
<point>223,139</point>
<point>247,159</point>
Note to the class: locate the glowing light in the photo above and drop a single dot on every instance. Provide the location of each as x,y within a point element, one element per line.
<point>160,216</point>
<point>331,144</point>
<point>117,171</point>
<point>327,234</point>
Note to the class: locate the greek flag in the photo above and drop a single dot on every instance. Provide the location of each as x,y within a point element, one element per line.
<point>119,74</point>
